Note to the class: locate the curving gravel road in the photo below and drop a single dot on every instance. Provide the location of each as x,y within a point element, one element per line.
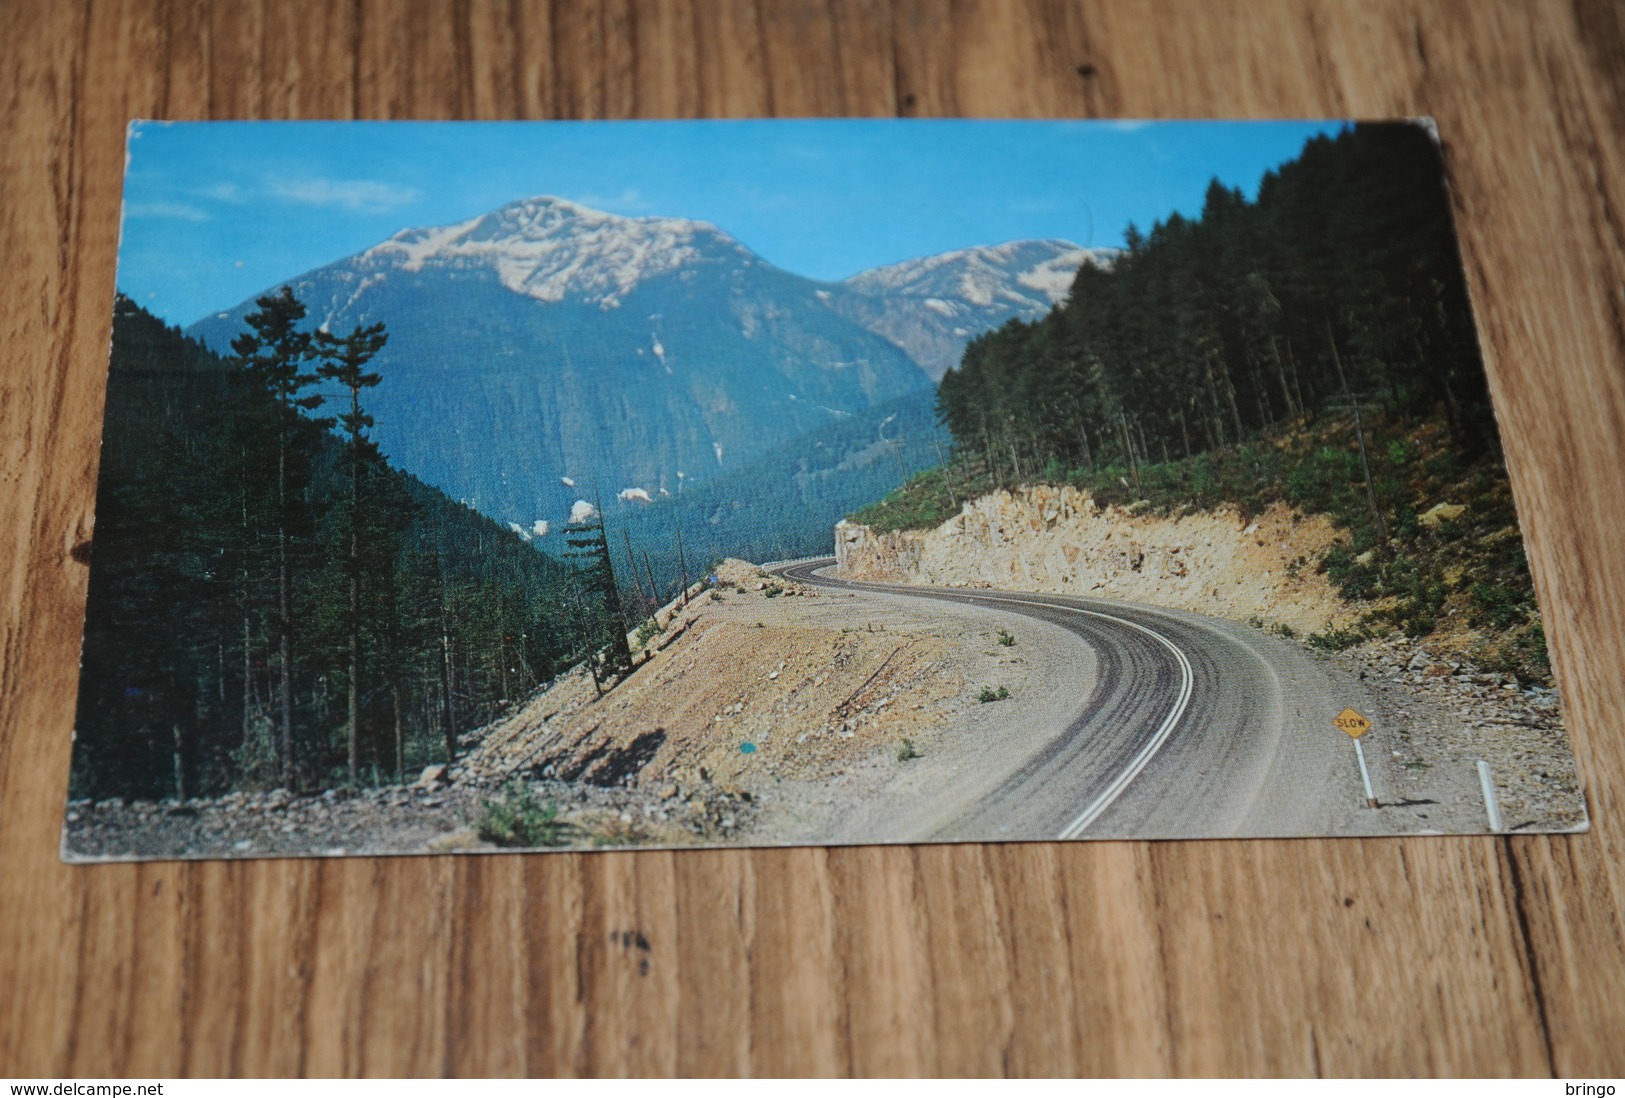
<point>1185,727</point>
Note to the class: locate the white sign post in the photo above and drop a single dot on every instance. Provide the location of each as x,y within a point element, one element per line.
<point>1356,726</point>
<point>1491,807</point>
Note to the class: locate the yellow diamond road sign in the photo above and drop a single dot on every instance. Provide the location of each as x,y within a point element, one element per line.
<point>1351,722</point>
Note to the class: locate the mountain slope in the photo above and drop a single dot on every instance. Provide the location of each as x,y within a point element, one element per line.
<point>547,341</point>
<point>933,306</point>
<point>784,503</point>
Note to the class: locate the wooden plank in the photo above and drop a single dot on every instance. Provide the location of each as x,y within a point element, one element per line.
<point>1382,956</point>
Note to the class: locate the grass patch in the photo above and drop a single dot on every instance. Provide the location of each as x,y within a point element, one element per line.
<point>989,694</point>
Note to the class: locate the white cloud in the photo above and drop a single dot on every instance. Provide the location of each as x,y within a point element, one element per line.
<point>351,194</point>
<point>174,211</point>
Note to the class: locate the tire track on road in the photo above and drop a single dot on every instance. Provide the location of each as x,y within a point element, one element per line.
<point>1099,734</point>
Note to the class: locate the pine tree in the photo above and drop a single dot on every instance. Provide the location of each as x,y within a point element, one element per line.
<point>272,355</point>
<point>344,360</point>
<point>604,627</point>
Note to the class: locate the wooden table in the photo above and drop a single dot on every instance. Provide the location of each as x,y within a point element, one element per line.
<point>1454,956</point>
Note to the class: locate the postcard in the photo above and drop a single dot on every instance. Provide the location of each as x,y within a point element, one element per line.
<point>561,486</point>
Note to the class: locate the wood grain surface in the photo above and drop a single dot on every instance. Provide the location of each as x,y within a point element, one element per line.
<point>1392,956</point>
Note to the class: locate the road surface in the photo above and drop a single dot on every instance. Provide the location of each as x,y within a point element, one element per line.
<point>1179,726</point>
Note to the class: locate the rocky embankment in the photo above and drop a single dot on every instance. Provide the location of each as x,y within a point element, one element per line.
<point>1261,571</point>
<point>1057,540</point>
<point>1449,713</point>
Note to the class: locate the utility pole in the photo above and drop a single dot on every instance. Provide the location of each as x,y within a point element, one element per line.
<point>1359,434</point>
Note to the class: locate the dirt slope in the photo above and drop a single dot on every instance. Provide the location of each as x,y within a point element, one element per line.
<point>761,690</point>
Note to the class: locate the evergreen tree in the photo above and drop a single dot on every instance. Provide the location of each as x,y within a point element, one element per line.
<point>273,355</point>
<point>344,360</point>
<point>598,600</point>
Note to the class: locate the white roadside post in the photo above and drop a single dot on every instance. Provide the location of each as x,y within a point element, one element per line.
<point>1491,806</point>
<point>1356,726</point>
<point>1365,776</point>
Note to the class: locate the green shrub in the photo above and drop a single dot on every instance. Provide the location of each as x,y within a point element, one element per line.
<point>1335,640</point>
<point>1352,579</point>
<point>989,694</point>
<point>1531,646</point>
<point>905,750</point>
<point>926,500</point>
<point>519,819</point>
<point>1006,640</point>
<point>1497,605</point>
<point>1419,592</point>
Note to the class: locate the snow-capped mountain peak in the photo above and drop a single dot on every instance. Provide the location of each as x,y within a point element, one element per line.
<point>933,305</point>
<point>1023,273</point>
<point>551,248</point>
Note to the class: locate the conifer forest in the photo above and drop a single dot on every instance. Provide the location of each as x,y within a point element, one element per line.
<point>1340,282</point>
<point>272,604</point>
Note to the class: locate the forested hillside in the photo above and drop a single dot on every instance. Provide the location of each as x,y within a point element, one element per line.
<point>270,602</point>
<point>1341,278</point>
<point>1314,346</point>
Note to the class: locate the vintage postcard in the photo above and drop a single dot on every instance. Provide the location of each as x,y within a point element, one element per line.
<point>538,486</point>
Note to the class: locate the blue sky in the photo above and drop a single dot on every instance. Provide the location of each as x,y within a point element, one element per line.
<point>216,212</point>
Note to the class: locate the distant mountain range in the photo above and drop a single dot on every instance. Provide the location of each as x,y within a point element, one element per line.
<point>546,352</point>
<point>932,307</point>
